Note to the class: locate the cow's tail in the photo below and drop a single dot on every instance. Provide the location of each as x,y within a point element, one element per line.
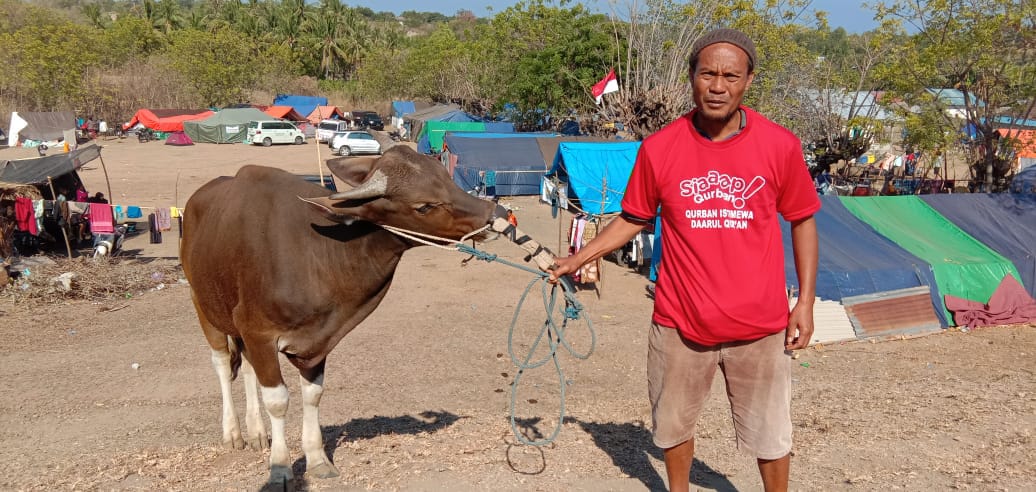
<point>234,345</point>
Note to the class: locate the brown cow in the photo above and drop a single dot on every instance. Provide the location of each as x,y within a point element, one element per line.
<point>272,274</point>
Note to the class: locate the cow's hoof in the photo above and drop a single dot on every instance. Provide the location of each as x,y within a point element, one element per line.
<point>322,470</point>
<point>259,443</point>
<point>234,443</point>
<point>281,480</point>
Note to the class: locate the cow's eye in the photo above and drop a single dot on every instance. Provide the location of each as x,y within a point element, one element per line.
<point>423,209</point>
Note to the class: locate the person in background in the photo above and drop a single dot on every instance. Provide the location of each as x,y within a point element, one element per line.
<point>721,174</point>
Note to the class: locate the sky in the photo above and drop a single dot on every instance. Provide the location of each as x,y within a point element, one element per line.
<point>841,13</point>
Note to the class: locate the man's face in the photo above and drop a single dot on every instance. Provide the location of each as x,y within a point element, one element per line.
<point>719,81</point>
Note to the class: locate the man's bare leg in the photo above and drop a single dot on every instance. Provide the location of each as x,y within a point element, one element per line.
<point>678,461</point>
<point>774,473</point>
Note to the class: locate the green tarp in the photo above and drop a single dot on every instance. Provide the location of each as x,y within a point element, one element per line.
<point>436,130</point>
<point>226,126</point>
<point>963,266</point>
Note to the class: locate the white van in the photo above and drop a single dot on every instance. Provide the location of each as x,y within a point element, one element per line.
<point>327,129</point>
<point>268,133</point>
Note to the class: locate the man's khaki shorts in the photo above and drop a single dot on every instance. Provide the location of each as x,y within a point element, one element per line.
<point>758,377</point>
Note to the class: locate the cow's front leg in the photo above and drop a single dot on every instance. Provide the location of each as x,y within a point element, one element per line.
<point>276,400</point>
<point>317,462</point>
<point>255,428</point>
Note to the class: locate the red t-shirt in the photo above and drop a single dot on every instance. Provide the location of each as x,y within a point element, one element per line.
<point>721,277</point>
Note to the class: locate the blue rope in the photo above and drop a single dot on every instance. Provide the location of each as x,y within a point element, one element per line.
<point>551,331</point>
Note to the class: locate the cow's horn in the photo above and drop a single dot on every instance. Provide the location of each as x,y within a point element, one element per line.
<point>375,186</point>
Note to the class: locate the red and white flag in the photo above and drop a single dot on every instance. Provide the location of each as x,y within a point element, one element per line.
<point>607,85</point>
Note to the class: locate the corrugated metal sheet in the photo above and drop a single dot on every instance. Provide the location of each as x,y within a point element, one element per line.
<point>830,322</point>
<point>894,312</point>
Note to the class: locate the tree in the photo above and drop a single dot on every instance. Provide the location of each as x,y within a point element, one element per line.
<point>49,63</point>
<point>218,66</point>
<point>981,48</point>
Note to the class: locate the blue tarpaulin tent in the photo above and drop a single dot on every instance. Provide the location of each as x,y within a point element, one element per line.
<point>516,162</point>
<point>855,259</point>
<point>304,105</point>
<point>596,173</point>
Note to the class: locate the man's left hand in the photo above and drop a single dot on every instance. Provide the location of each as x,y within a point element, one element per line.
<point>800,327</point>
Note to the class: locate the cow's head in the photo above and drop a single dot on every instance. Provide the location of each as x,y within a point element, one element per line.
<point>403,189</point>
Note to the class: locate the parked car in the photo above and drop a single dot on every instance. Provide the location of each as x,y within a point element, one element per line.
<point>368,120</point>
<point>268,133</point>
<point>327,129</point>
<point>354,142</point>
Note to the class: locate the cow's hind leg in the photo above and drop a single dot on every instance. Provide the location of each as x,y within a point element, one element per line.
<point>222,363</point>
<point>317,462</point>
<point>256,435</point>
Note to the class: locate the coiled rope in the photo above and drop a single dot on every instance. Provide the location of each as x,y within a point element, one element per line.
<point>551,331</point>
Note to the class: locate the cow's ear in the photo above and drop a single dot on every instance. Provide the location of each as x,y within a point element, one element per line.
<point>351,170</point>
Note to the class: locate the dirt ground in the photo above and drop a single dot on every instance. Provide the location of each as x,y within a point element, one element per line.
<point>120,394</point>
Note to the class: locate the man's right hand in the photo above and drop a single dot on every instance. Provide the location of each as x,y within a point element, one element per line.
<point>563,266</point>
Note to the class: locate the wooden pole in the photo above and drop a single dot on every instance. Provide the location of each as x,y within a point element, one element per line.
<point>68,247</point>
<point>111,198</point>
<point>316,139</point>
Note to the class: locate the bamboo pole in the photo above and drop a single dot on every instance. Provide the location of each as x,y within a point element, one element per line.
<point>68,247</point>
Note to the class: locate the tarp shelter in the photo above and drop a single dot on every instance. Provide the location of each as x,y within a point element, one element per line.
<point>166,120</point>
<point>1025,181</point>
<point>855,260</point>
<point>413,123</point>
<point>39,126</point>
<point>303,105</point>
<point>325,113</point>
<point>515,161</point>
<point>226,126</point>
<point>964,267</point>
<point>35,171</point>
<point>1006,222</point>
<point>284,113</point>
<point>401,109</point>
<point>431,137</point>
<point>596,173</point>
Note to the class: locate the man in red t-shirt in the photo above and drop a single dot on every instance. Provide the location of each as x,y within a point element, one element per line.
<point>720,175</point>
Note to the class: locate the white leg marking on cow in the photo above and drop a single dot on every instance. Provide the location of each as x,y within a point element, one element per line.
<point>231,430</point>
<point>317,463</point>
<point>258,439</point>
<point>276,401</point>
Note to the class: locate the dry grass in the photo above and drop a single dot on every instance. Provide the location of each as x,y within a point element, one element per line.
<point>101,279</point>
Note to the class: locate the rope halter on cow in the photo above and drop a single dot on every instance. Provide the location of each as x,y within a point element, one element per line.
<point>552,331</point>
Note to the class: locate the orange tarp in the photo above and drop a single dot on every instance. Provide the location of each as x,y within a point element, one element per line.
<point>284,112</point>
<point>325,113</point>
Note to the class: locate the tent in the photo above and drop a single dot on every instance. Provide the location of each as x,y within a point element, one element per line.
<point>413,123</point>
<point>1003,221</point>
<point>855,260</point>
<point>964,267</point>
<point>226,126</point>
<point>596,173</point>
<point>166,120</point>
<point>1025,146</point>
<point>39,126</point>
<point>320,113</point>
<point>284,113</point>
<point>303,105</point>
<point>514,160</point>
<point>430,139</point>
<point>179,139</point>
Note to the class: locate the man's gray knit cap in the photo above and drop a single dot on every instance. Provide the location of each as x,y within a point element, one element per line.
<point>725,35</point>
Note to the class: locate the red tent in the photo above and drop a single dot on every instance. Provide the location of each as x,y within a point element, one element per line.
<point>166,120</point>
<point>283,112</point>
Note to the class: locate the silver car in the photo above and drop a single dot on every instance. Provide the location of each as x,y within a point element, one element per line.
<point>351,143</point>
